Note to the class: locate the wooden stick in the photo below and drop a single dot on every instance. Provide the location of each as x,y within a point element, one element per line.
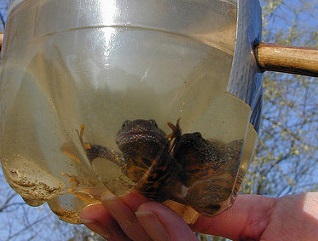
<point>293,60</point>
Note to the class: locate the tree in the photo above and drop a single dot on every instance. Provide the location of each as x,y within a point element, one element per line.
<point>286,157</point>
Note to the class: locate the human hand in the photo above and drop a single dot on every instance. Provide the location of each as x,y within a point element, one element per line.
<point>252,217</point>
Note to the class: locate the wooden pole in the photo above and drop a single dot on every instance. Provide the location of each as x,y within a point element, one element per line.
<point>293,60</point>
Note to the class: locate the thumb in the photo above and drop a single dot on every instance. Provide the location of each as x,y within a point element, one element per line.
<point>162,224</point>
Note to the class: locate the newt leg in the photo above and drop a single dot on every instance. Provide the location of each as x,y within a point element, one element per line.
<point>97,151</point>
<point>80,134</point>
<point>175,135</point>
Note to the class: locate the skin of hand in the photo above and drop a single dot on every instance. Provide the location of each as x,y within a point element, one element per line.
<point>252,217</point>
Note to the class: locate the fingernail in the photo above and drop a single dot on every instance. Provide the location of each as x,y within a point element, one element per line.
<point>97,227</point>
<point>151,223</point>
<point>108,196</point>
<point>87,221</point>
<point>87,218</point>
<point>118,209</point>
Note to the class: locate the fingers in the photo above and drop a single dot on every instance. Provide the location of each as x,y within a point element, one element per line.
<point>99,220</point>
<point>134,217</point>
<point>150,222</point>
<point>115,218</point>
<point>162,224</point>
<point>123,212</point>
<point>252,217</point>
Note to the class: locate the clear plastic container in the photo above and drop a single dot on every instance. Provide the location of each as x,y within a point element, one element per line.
<point>125,95</point>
